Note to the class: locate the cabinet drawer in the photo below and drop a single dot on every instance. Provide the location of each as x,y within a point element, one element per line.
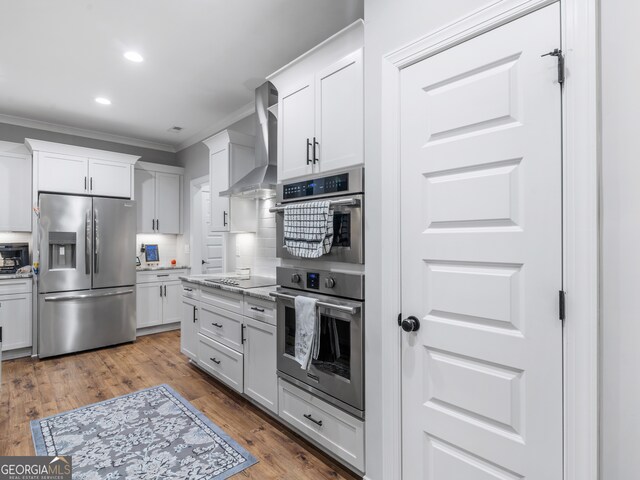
<point>190,290</point>
<point>221,325</point>
<point>15,285</point>
<point>221,298</point>
<point>222,362</point>
<point>262,310</point>
<point>160,276</point>
<point>340,433</point>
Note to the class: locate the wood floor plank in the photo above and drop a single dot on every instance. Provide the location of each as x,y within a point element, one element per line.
<point>34,389</point>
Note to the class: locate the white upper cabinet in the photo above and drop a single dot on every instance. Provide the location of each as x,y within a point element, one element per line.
<point>231,156</point>
<point>15,188</point>
<point>296,130</point>
<point>69,169</point>
<point>321,107</point>
<point>158,194</point>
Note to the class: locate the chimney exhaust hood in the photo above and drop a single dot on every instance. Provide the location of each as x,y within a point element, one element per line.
<point>261,181</point>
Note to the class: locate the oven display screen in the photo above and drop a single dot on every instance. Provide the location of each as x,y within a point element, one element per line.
<point>313,280</point>
<point>318,186</point>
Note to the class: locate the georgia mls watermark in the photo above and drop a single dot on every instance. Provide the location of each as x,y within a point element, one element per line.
<point>35,468</point>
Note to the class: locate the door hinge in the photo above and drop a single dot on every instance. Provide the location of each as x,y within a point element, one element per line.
<point>562,305</point>
<point>560,56</point>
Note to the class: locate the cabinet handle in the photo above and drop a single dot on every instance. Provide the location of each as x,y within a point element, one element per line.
<point>308,157</point>
<point>91,184</point>
<point>165,290</point>
<point>162,275</point>
<point>242,339</point>
<point>188,289</point>
<point>195,309</point>
<point>157,224</point>
<point>153,224</point>
<point>85,182</point>
<point>217,325</point>
<point>215,360</point>
<point>311,419</point>
<point>161,290</point>
<point>316,150</point>
<point>261,310</point>
<point>224,218</point>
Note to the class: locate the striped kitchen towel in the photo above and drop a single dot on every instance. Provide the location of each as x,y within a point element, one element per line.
<point>308,229</point>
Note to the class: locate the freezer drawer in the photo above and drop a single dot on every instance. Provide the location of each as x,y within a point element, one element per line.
<point>82,320</point>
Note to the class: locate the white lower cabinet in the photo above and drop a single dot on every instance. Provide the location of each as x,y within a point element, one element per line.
<point>338,432</point>
<point>148,304</point>
<point>222,362</point>
<point>189,328</point>
<point>260,370</point>
<point>15,313</point>
<point>158,298</point>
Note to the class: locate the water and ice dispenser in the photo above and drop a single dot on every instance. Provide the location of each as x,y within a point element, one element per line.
<point>62,250</point>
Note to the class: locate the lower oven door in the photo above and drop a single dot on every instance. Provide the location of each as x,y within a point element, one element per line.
<point>348,233</point>
<point>338,372</point>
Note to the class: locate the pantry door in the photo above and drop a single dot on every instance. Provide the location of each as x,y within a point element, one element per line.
<point>481,162</point>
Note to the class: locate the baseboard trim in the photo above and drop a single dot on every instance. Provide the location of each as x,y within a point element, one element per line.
<point>157,329</point>
<point>17,353</point>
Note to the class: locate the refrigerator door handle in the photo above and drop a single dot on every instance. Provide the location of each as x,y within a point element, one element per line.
<point>60,298</point>
<point>87,243</point>
<point>96,241</point>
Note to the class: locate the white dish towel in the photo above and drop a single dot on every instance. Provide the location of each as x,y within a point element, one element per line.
<point>306,330</point>
<point>308,229</point>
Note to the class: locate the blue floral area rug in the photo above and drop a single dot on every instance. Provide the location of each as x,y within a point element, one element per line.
<point>150,434</point>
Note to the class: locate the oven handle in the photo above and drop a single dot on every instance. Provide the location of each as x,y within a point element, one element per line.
<point>341,308</point>
<point>344,202</point>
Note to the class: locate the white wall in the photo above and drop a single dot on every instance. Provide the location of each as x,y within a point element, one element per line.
<point>389,25</point>
<point>620,320</point>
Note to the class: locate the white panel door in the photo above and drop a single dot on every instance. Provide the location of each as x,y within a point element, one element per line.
<point>172,302</point>
<point>109,179</point>
<point>481,257</point>
<point>340,114</point>
<point>15,320</point>
<point>15,192</point>
<point>145,195</point>
<point>260,370</point>
<point>219,182</point>
<point>62,173</point>
<point>212,243</point>
<point>149,304</point>
<point>296,131</point>
<point>168,202</point>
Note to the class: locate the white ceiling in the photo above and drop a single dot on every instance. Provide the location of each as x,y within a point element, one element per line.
<point>203,59</point>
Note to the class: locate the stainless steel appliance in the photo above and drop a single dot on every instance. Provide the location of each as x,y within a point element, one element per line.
<point>337,375</point>
<point>345,190</point>
<point>86,285</point>
<point>13,256</point>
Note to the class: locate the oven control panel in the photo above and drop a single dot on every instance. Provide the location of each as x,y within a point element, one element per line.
<point>316,186</point>
<point>347,285</point>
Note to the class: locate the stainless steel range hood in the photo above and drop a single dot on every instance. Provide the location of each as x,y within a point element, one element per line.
<point>261,181</point>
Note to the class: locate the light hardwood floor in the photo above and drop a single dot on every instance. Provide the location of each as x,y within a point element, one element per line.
<point>33,389</point>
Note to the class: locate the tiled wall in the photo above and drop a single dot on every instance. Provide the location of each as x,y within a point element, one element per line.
<point>167,247</point>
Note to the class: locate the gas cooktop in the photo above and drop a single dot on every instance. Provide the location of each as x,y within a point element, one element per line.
<point>243,282</point>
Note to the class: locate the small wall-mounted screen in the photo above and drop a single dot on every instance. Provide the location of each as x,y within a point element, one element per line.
<point>151,253</point>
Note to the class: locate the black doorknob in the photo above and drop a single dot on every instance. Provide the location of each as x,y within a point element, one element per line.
<point>410,324</point>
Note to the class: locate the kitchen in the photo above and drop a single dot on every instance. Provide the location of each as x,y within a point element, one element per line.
<point>386,243</point>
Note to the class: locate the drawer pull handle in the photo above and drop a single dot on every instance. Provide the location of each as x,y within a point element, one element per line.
<point>162,275</point>
<point>261,310</point>
<point>217,325</point>
<point>188,289</point>
<point>311,419</point>
<point>215,360</point>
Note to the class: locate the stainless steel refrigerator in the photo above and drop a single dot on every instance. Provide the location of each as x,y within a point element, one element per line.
<point>86,284</point>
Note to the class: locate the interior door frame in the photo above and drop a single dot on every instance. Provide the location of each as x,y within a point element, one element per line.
<point>581,164</point>
<point>196,254</point>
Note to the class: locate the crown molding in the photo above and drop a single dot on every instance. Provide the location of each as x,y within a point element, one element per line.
<point>81,132</point>
<point>243,112</point>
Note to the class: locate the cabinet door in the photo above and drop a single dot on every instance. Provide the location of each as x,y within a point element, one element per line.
<point>145,195</point>
<point>62,173</point>
<point>15,319</point>
<point>260,378</point>
<point>15,193</point>
<point>171,309</point>
<point>109,179</point>
<point>189,329</point>
<point>340,114</point>
<point>149,304</point>
<point>168,202</point>
<point>296,131</point>
<point>219,181</point>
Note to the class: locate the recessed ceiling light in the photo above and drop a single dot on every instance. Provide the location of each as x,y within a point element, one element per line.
<point>103,101</point>
<point>133,56</point>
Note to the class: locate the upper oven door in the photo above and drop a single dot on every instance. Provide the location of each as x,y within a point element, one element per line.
<point>348,232</point>
<point>339,370</point>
